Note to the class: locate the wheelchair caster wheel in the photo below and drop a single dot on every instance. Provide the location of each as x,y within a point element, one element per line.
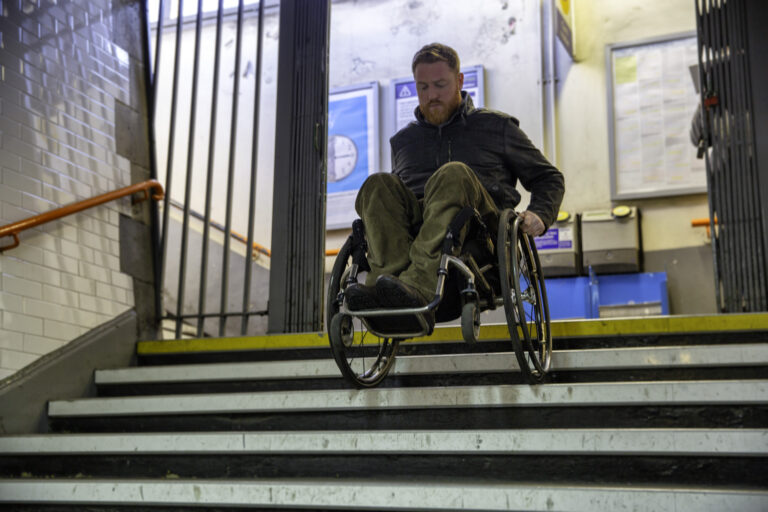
<point>470,323</point>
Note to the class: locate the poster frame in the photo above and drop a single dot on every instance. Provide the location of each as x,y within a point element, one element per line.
<point>369,90</point>
<point>662,190</point>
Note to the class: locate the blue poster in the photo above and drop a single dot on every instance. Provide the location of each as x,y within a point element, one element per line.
<point>347,144</point>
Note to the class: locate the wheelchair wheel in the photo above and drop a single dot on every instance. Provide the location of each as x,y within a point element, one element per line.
<point>363,358</point>
<point>525,298</point>
<point>470,323</point>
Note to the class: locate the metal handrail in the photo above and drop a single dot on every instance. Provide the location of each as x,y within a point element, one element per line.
<point>17,227</point>
<point>234,234</point>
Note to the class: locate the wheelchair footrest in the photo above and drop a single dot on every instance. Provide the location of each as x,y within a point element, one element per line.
<point>400,326</point>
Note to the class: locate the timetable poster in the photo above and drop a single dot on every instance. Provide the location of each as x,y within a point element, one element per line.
<point>406,98</point>
<point>653,102</point>
<point>353,152</point>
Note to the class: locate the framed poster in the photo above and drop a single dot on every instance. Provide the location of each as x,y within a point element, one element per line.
<point>406,99</point>
<point>353,148</point>
<point>651,101</point>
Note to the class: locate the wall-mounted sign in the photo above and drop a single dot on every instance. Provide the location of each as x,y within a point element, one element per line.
<point>564,24</point>
<point>353,148</point>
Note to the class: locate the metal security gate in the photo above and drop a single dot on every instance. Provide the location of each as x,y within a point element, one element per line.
<point>737,210</point>
<point>194,312</point>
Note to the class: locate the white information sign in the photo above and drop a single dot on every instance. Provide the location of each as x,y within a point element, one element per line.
<point>406,99</point>
<point>353,149</point>
<point>652,100</point>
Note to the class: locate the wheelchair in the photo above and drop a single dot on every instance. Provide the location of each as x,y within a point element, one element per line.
<point>486,274</point>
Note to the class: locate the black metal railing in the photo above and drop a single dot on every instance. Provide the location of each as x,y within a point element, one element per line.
<point>177,311</point>
<point>739,246</point>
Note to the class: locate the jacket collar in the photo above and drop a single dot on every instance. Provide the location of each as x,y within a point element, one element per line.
<point>465,108</point>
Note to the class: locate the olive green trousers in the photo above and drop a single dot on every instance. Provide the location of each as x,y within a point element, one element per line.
<point>404,234</point>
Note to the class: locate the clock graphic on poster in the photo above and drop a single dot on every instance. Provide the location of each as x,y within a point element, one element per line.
<point>342,157</point>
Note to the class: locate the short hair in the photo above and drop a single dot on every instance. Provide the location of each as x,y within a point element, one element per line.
<point>436,52</point>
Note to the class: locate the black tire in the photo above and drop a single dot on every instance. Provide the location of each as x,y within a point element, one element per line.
<point>525,299</point>
<point>470,322</point>
<point>363,358</point>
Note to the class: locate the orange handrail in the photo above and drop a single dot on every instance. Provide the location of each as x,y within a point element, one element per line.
<point>698,223</point>
<point>17,227</point>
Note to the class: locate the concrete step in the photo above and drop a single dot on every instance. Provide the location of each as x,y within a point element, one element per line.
<point>674,457</point>
<point>670,442</point>
<point>588,394</point>
<point>688,356</point>
<point>647,404</point>
<point>380,495</point>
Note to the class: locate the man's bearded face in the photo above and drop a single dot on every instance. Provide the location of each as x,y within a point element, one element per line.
<point>439,90</point>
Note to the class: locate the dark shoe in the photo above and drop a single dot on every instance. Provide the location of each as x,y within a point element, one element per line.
<point>361,297</point>
<point>396,294</point>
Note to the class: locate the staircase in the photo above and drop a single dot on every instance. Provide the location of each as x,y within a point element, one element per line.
<point>673,416</point>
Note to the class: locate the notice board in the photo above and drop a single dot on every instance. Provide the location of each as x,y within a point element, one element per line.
<point>651,101</point>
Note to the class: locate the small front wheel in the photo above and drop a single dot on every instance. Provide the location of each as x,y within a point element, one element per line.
<point>470,322</point>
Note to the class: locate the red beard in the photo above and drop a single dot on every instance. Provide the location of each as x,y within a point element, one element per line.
<point>439,116</point>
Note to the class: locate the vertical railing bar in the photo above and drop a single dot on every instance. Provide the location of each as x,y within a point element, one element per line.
<point>715,153</point>
<point>310,179</point>
<point>702,60</point>
<point>762,244</point>
<point>150,80</point>
<point>254,168</point>
<point>169,163</point>
<point>156,63</point>
<point>712,156</point>
<point>727,127</point>
<point>737,147</point>
<point>231,172</point>
<point>209,177</point>
<point>757,271</point>
<point>730,152</point>
<point>761,282</point>
<point>190,163</point>
<point>739,109</point>
<point>294,312</point>
<point>722,155</point>
<point>319,245</point>
<point>704,65</point>
<point>737,77</point>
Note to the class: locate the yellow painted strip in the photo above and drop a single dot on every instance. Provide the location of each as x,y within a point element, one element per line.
<point>560,329</point>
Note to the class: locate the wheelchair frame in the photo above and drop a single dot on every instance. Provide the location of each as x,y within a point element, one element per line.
<point>532,344</point>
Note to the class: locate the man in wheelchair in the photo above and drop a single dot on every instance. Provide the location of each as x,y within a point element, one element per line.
<point>451,157</point>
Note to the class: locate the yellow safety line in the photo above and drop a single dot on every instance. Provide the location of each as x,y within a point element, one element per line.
<point>560,329</point>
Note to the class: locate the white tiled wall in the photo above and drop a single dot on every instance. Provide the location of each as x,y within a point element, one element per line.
<point>60,74</point>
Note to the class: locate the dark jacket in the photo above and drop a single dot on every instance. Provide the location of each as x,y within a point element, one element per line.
<point>492,145</point>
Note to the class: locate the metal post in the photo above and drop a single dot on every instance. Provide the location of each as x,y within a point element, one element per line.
<point>254,167</point>
<point>296,270</point>
<point>231,173</point>
<point>171,136</point>
<point>150,81</point>
<point>209,176</point>
<point>190,162</point>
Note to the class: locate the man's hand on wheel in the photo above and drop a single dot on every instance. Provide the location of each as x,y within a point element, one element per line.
<point>531,224</point>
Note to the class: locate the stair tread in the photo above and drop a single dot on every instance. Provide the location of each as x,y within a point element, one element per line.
<point>687,356</point>
<point>666,442</point>
<point>382,495</point>
<point>707,392</point>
